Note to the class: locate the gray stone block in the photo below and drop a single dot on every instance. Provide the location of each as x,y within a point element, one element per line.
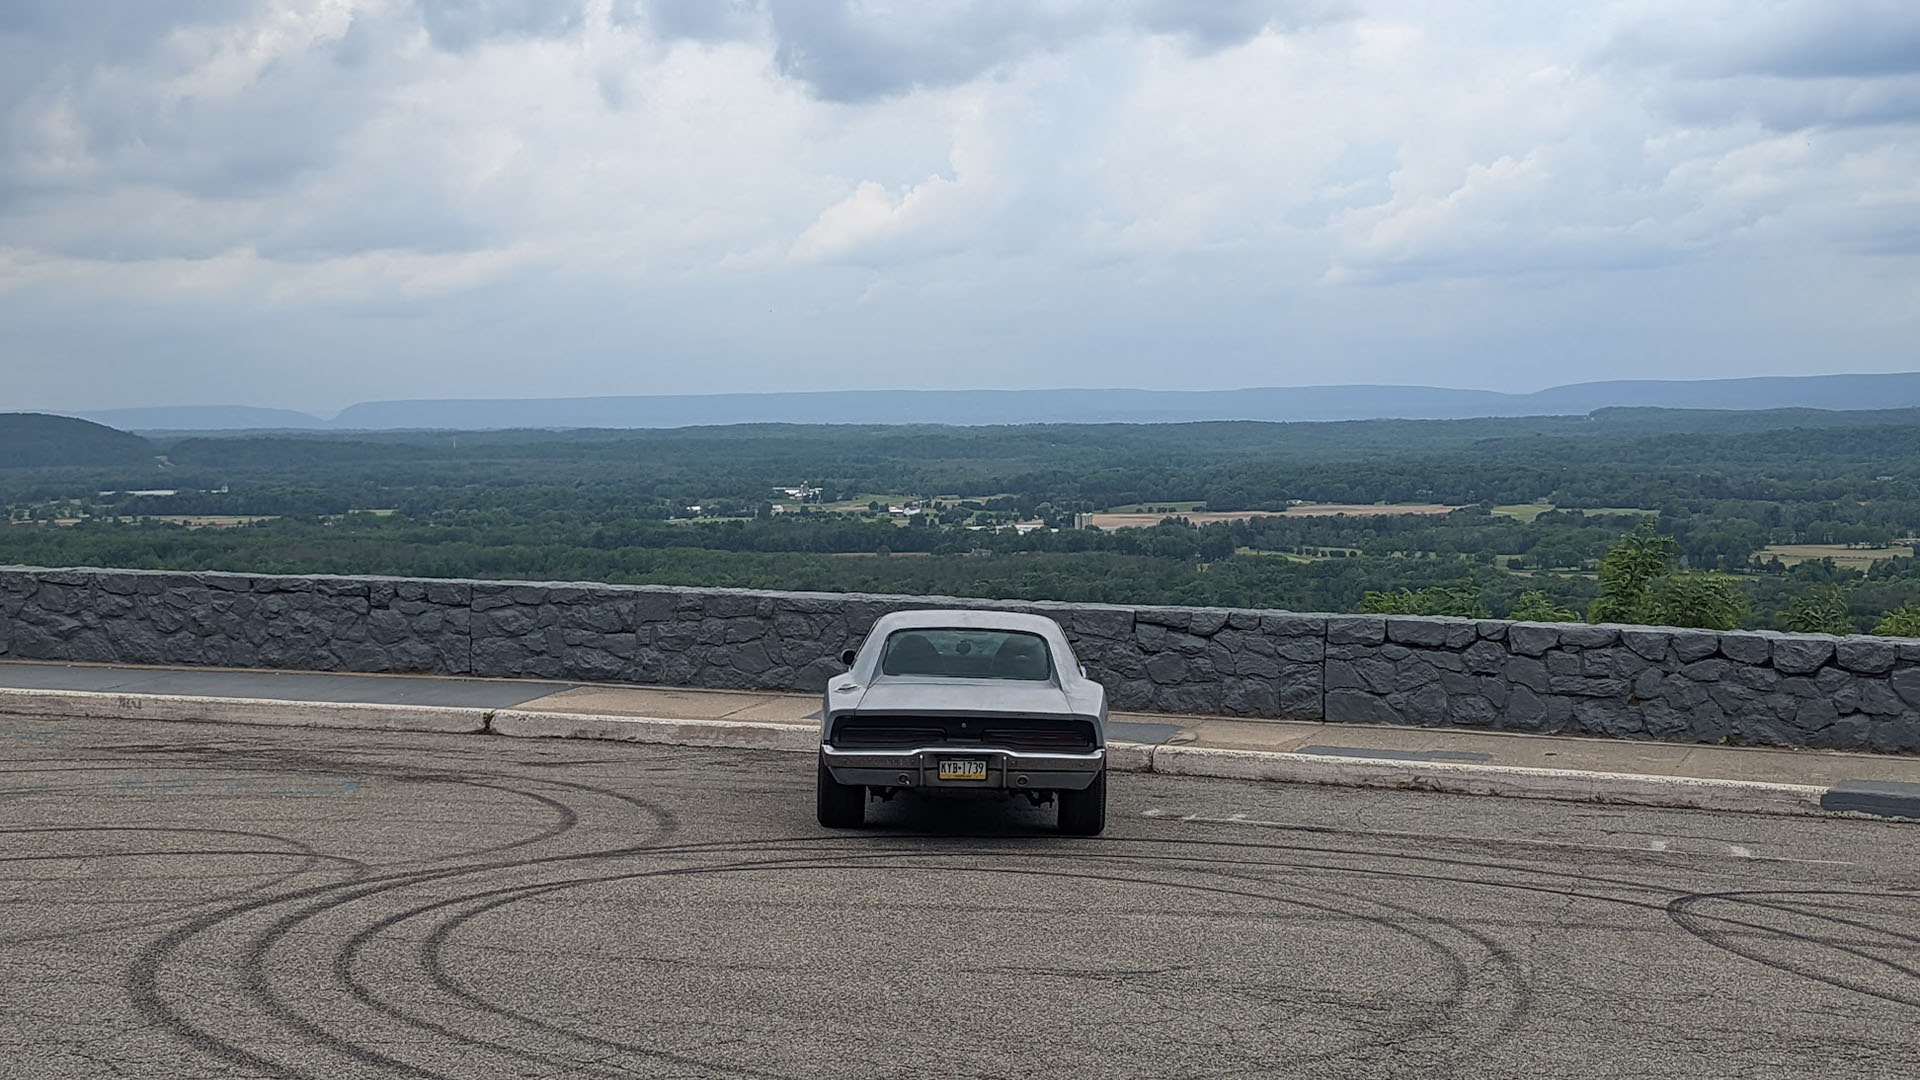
<point>1207,621</point>
<point>1172,618</point>
<point>1580,635</point>
<point>1865,655</point>
<point>1649,644</point>
<point>1709,670</point>
<point>1359,707</point>
<point>1582,686</point>
<point>1300,692</point>
<point>1430,632</point>
<point>1166,669</point>
<point>1801,654</point>
<point>1287,624</point>
<point>1485,657</point>
<point>1524,711</point>
<point>1531,639</point>
<point>1103,622</point>
<point>1356,630</point>
<point>1613,661</point>
<point>1470,711</point>
<point>1906,682</point>
<point>1690,645</point>
<point>1527,671</point>
<point>1746,648</point>
<point>1370,674</point>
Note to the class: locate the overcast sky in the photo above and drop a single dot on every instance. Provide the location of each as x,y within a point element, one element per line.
<point>307,203</point>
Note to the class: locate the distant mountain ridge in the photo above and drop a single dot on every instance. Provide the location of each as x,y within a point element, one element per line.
<point>972,407</point>
<point>37,440</point>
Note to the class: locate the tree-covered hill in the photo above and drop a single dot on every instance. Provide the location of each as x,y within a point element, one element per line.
<point>37,440</point>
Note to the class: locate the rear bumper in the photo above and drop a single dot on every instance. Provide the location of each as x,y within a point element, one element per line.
<point>1011,770</point>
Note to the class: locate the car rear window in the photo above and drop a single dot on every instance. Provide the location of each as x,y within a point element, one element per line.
<point>969,654</point>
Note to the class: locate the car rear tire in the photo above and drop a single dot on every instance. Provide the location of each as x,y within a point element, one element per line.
<point>1084,812</point>
<point>840,806</point>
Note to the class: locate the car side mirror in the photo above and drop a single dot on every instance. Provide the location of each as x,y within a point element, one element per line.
<point>846,657</point>
<point>1083,671</point>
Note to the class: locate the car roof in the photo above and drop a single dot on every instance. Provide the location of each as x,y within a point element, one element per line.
<point>966,619</point>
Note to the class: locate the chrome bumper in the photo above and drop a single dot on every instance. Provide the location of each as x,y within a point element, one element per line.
<point>1011,770</point>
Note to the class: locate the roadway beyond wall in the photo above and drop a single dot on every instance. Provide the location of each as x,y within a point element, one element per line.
<point>1622,681</point>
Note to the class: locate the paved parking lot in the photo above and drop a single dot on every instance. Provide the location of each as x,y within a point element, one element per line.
<point>197,900</point>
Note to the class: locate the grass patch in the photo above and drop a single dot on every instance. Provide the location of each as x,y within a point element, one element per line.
<point>1528,511</point>
<point>1155,508</point>
<point>1853,558</point>
<point>1524,511</point>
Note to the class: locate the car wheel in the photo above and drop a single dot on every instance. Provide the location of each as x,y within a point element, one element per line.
<point>1084,812</point>
<point>840,806</point>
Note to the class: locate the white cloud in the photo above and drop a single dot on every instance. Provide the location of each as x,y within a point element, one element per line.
<point>328,200</point>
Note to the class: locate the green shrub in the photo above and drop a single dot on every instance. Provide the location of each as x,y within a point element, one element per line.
<point>1639,583</point>
<point>1534,606</point>
<point>1903,621</point>
<point>1822,611</point>
<point>1461,600</point>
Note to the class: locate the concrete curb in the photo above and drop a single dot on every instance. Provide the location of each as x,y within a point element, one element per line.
<point>724,734</point>
<point>1627,789</point>
<point>92,705</point>
<point>1690,793</point>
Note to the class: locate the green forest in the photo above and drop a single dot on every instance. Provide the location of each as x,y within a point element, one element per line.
<point>1800,519</point>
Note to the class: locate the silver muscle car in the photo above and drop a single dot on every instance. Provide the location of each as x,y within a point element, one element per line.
<point>945,702</point>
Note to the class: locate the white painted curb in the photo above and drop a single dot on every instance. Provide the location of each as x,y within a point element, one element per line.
<point>1629,789</point>
<point>734,734</point>
<point>1694,793</point>
<point>93,705</point>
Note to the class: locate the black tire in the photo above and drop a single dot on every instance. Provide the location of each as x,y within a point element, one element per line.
<point>1084,812</point>
<point>840,806</point>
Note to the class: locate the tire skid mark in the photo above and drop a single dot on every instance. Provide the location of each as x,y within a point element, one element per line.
<point>1681,910</point>
<point>1481,994</point>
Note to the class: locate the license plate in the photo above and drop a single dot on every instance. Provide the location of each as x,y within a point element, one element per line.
<point>963,769</point>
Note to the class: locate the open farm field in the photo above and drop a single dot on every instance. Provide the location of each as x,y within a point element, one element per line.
<point>1523,511</point>
<point>212,521</point>
<point>1853,558</point>
<point>1319,555</point>
<point>1147,521</point>
<point>1527,512</point>
<point>1367,509</point>
<point>1209,517</point>
<point>1160,509</point>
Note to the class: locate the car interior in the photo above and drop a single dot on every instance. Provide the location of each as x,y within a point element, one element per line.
<point>975,654</point>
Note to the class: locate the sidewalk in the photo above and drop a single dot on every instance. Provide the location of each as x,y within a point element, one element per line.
<point>1438,759</point>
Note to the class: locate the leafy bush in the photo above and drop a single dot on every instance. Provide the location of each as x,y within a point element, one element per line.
<point>1903,621</point>
<point>1709,601</point>
<point>1639,584</point>
<point>1461,600</point>
<point>1822,611</point>
<point>1535,607</point>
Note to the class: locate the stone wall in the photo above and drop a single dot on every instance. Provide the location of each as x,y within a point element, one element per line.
<point>1632,682</point>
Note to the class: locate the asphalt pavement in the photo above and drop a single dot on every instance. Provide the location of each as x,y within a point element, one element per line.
<point>226,901</point>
